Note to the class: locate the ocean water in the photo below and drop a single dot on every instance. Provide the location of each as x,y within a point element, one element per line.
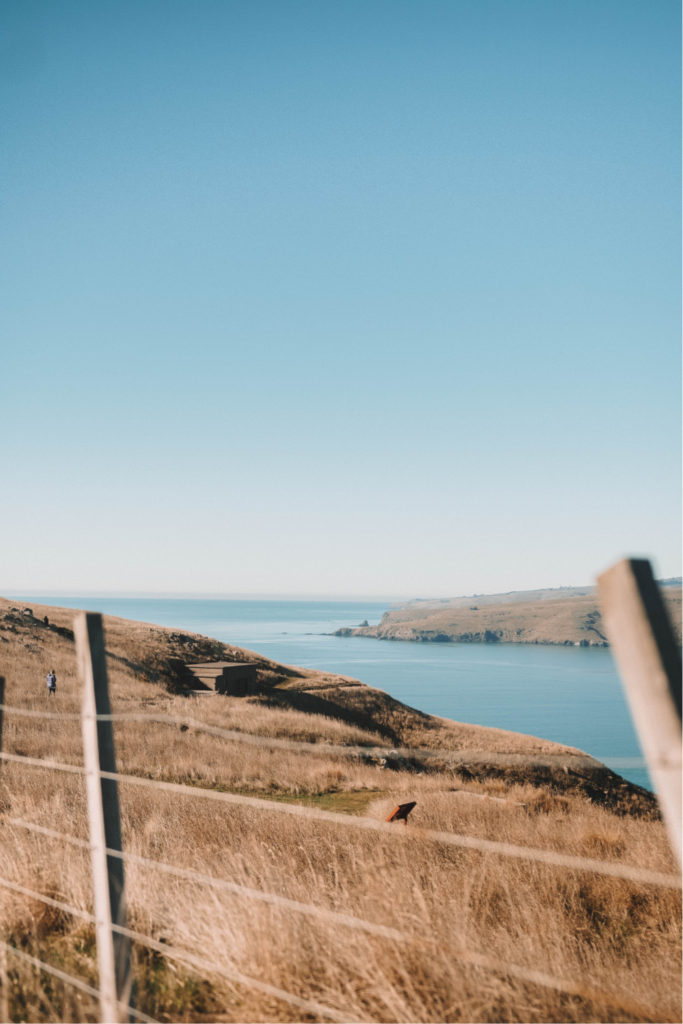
<point>569,694</point>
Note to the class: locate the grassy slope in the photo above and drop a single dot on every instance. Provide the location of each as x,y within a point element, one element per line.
<point>139,653</point>
<point>493,784</point>
<point>569,616</point>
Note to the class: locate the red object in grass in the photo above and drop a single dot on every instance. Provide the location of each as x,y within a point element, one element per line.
<point>401,812</point>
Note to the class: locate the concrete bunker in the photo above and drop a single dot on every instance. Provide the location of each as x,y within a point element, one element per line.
<point>233,678</point>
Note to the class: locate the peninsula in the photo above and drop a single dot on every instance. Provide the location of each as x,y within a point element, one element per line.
<point>568,616</point>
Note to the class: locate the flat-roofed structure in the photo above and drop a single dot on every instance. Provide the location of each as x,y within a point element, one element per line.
<point>234,678</point>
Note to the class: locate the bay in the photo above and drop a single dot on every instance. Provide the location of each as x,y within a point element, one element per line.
<point>572,695</point>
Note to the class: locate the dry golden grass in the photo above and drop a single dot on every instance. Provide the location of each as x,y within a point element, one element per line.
<point>601,933</point>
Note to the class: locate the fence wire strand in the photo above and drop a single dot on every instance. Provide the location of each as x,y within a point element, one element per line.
<point>633,874</point>
<point>198,963</point>
<point>69,979</point>
<point>341,749</point>
<point>52,833</point>
<point>247,892</point>
<point>304,747</point>
<point>312,910</point>
<point>49,901</point>
<point>467,957</point>
<point>40,762</point>
<point>62,716</point>
<point>311,1006</point>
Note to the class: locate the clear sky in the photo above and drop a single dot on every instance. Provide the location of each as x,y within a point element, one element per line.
<point>353,297</point>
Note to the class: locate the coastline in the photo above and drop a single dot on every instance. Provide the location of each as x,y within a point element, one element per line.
<point>156,659</point>
<point>565,618</point>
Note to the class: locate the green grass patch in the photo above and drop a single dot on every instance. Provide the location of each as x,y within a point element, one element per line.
<point>354,801</point>
<point>345,802</point>
<point>167,992</point>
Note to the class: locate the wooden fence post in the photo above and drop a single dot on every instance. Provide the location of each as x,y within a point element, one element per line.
<point>649,662</point>
<point>113,949</point>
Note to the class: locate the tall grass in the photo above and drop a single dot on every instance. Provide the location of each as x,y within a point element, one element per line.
<point>601,933</point>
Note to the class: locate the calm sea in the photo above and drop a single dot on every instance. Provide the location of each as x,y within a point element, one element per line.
<point>569,694</point>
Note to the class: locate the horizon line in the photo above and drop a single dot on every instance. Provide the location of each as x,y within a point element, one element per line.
<point>16,594</point>
<point>246,595</point>
<point>34,592</point>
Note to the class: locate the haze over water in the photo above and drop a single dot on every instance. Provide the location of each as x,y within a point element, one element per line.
<point>567,694</point>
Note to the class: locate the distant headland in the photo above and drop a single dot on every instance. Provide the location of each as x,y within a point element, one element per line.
<point>567,616</point>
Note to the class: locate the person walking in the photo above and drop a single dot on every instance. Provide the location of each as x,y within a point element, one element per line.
<point>51,680</point>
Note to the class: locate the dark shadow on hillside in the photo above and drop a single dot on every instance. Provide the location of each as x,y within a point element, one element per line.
<point>300,700</point>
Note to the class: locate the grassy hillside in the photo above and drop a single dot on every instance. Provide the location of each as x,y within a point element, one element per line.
<point>357,752</point>
<point>568,616</point>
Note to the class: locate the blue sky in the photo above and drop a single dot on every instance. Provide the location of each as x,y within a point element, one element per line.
<point>338,298</point>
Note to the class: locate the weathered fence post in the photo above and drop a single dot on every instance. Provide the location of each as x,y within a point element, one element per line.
<point>649,662</point>
<point>113,949</point>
